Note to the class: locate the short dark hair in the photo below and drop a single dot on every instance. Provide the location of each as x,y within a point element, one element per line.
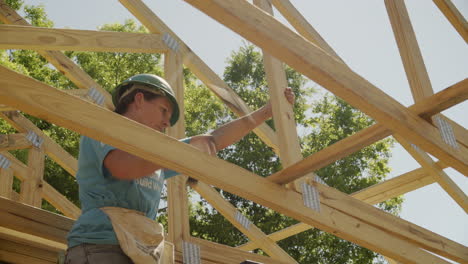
<point>122,107</point>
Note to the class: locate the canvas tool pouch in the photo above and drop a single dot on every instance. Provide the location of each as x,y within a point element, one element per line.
<point>141,238</point>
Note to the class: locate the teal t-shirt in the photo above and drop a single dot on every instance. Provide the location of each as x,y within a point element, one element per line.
<point>98,188</point>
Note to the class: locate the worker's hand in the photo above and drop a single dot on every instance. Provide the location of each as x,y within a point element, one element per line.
<point>204,143</point>
<point>288,92</point>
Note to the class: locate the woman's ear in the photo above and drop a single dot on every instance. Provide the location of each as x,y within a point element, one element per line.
<point>139,99</point>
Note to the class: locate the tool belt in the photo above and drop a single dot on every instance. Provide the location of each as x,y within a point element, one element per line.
<point>141,238</point>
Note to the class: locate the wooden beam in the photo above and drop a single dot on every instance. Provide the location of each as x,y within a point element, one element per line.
<point>155,25</point>
<point>6,108</point>
<point>310,60</point>
<point>283,114</point>
<point>251,231</point>
<point>379,193</point>
<point>31,188</point>
<point>368,136</point>
<point>61,62</point>
<point>14,141</point>
<point>421,88</point>
<point>437,173</point>
<point>52,149</point>
<point>37,38</point>
<point>6,183</point>
<point>277,236</point>
<point>307,31</point>
<point>372,195</point>
<point>454,16</point>
<point>295,18</point>
<point>20,169</point>
<point>211,252</point>
<point>433,104</point>
<point>14,252</point>
<point>34,221</point>
<point>460,132</point>
<point>49,193</point>
<point>409,50</point>
<point>60,202</point>
<point>177,199</point>
<point>331,154</point>
<point>60,108</point>
<point>27,239</point>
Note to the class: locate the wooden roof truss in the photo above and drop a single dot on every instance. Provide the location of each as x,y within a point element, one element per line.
<point>28,233</point>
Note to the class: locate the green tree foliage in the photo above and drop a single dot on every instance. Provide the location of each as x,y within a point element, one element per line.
<point>328,120</point>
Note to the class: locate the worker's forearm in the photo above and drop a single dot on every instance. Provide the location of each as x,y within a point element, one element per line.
<point>126,166</point>
<point>233,131</point>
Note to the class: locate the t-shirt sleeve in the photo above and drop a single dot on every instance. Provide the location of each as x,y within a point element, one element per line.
<point>101,151</point>
<point>170,173</point>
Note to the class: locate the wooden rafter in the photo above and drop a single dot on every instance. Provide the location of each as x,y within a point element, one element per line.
<point>251,231</point>
<point>37,38</point>
<point>57,58</point>
<point>421,88</point>
<point>307,58</point>
<point>59,108</point>
<point>452,95</point>
<point>454,16</point>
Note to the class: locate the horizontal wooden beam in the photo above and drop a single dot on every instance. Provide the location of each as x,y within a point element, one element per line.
<point>155,25</point>
<point>6,108</point>
<point>269,34</point>
<point>14,252</point>
<point>39,38</point>
<point>453,95</point>
<point>27,239</point>
<point>14,141</point>
<point>454,16</point>
<point>60,108</point>
<point>34,221</point>
<point>61,62</point>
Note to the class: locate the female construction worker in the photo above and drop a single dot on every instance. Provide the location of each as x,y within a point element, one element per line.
<point>109,177</point>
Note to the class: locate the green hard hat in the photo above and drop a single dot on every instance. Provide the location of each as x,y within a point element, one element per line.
<point>154,82</point>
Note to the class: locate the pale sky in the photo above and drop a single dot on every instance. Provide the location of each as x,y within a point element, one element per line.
<point>361,34</point>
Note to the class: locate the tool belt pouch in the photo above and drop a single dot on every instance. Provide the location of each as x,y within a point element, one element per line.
<point>141,238</point>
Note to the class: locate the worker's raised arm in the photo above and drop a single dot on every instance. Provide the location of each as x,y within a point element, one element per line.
<point>233,131</point>
<point>126,166</point>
